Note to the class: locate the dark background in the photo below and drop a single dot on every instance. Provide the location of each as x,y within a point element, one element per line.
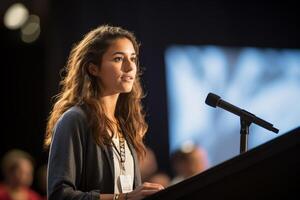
<point>30,72</point>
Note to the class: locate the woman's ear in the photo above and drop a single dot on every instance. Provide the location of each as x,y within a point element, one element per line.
<point>93,69</point>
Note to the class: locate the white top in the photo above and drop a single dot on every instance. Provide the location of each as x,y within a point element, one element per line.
<point>129,165</point>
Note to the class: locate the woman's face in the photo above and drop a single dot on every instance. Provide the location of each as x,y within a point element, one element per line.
<point>118,67</point>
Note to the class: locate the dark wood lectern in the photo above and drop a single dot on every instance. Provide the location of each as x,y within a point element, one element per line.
<point>271,170</point>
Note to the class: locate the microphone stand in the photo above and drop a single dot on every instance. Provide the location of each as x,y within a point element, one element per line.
<point>246,118</point>
<point>244,135</point>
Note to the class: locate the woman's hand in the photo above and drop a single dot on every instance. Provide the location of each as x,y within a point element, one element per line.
<point>143,191</point>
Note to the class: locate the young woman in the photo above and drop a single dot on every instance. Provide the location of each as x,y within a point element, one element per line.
<point>96,127</point>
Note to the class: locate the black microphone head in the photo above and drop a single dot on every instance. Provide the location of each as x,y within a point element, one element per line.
<point>212,99</point>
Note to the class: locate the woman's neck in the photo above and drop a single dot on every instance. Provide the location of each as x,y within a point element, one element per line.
<point>110,103</point>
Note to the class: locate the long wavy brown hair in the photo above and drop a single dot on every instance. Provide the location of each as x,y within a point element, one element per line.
<point>81,88</point>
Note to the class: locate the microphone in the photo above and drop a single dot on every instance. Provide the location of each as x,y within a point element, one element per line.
<point>216,101</point>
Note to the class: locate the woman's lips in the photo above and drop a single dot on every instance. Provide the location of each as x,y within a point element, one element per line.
<point>127,78</point>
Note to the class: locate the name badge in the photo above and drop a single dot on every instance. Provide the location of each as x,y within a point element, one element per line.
<point>126,183</point>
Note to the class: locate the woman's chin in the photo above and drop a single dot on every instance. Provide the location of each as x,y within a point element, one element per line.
<point>125,89</point>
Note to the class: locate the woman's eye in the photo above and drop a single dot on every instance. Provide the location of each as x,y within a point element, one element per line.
<point>118,59</point>
<point>133,59</point>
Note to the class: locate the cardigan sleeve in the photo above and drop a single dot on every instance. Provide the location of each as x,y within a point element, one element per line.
<point>65,164</point>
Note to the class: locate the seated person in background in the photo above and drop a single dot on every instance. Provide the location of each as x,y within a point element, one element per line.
<point>148,165</point>
<point>188,161</point>
<point>17,168</point>
<point>149,170</point>
<point>161,178</point>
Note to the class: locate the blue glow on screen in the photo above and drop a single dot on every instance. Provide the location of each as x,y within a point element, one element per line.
<point>264,81</point>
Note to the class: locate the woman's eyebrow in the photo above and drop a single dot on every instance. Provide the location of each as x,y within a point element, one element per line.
<point>123,53</point>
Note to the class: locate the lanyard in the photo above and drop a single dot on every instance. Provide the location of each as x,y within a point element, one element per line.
<point>121,153</point>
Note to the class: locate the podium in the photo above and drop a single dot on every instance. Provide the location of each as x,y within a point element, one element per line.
<point>271,170</point>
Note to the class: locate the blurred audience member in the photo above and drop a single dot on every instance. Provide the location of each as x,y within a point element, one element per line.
<point>188,161</point>
<point>17,168</point>
<point>148,165</point>
<point>150,172</point>
<point>160,178</point>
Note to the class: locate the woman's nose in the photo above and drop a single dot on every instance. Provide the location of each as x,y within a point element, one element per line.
<point>128,65</point>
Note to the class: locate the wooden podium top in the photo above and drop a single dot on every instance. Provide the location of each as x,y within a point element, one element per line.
<point>267,171</point>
